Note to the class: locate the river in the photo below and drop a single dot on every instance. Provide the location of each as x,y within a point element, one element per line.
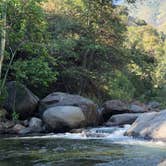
<point>104,146</point>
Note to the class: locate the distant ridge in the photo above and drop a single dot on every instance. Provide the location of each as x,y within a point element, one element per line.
<point>152,11</point>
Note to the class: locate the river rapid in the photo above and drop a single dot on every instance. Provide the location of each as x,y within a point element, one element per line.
<point>103,146</point>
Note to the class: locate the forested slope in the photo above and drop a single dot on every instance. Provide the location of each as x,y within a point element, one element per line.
<point>84,47</point>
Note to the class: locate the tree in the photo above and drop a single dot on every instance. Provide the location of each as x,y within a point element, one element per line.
<point>3,5</point>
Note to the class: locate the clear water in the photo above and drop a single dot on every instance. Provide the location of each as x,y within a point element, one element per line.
<point>100,147</point>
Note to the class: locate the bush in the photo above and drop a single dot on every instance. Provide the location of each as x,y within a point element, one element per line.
<point>3,94</point>
<point>120,87</point>
<point>35,73</point>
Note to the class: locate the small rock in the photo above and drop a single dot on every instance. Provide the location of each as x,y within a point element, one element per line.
<point>77,130</point>
<point>153,105</point>
<point>26,123</point>
<point>17,128</point>
<point>3,114</point>
<point>8,124</point>
<point>35,123</point>
<point>25,131</point>
<point>35,126</point>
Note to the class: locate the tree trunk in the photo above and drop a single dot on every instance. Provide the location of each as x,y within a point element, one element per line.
<point>3,35</point>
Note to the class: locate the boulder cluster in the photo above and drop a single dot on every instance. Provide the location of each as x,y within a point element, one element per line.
<point>24,113</point>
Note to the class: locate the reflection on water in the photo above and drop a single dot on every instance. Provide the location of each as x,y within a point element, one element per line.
<point>111,149</point>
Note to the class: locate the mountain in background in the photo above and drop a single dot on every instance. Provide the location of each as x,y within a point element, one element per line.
<point>152,11</point>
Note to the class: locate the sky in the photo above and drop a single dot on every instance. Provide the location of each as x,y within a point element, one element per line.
<point>117,2</point>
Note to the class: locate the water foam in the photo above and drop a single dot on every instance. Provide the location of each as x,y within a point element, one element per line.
<point>110,134</point>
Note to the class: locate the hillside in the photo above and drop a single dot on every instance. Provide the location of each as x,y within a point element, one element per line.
<point>152,11</point>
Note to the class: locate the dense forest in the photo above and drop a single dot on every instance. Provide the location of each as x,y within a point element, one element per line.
<point>92,48</point>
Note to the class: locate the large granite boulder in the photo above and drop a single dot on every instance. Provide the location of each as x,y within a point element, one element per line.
<point>63,118</point>
<point>21,100</point>
<point>149,126</point>
<point>122,119</point>
<point>163,163</point>
<point>113,107</point>
<point>88,107</point>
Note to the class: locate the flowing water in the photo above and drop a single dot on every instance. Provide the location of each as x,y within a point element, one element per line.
<point>97,147</point>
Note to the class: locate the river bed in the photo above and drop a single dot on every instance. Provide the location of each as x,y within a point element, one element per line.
<point>104,146</point>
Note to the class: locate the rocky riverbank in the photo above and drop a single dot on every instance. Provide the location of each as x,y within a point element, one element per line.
<point>24,113</point>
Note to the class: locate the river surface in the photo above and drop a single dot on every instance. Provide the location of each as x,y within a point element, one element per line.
<point>97,147</point>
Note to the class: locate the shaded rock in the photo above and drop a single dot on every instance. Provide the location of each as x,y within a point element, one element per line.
<point>88,107</point>
<point>35,123</point>
<point>62,118</point>
<point>122,119</point>
<point>35,126</point>
<point>3,114</point>
<point>26,123</point>
<point>21,100</point>
<point>8,124</point>
<point>150,126</point>
<point>113,107</point>
<point>6,127</point>
<point>16,129</point>
<point>25,131</point>
<point>153,105</point>
<point>138,109</point>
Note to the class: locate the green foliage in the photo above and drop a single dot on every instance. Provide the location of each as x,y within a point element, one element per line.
<point>3,94</point>
<point>84,47</point>
<point>15,116</point>
<point>34,72</point>
<point>120,87</point>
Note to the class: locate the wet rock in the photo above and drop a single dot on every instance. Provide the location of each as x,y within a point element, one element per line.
<point>21,100</point>
<point>150,126</point>
<point>122,119</point>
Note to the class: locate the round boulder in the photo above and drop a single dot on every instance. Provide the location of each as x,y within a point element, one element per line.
<point>88,107</point>
<point>63,118</point>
